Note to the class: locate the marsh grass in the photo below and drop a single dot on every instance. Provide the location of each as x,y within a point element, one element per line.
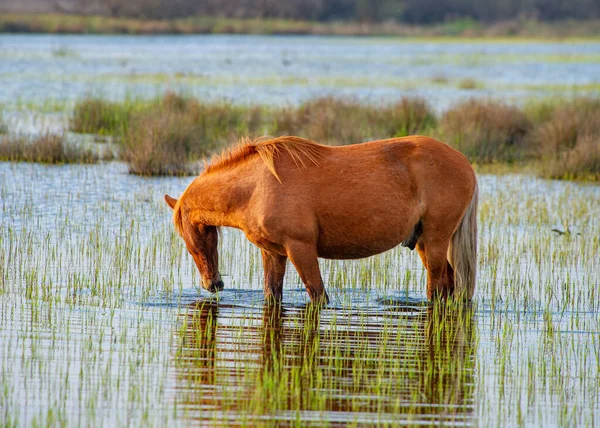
<point>62,52</point>
<point>567,139</point>
<point>162,145</point>
<point>440,79</point>
<point>169,135</point>
<point>581,162</point>
<point>486,131</point>
<point>3,126</point>
<point>469,83</point>
<point>324,119</point>
<point>342,121</point>
<point>408,116</point>
<point>99,116</point>
<point>45,148</point>
<point>562,125</point>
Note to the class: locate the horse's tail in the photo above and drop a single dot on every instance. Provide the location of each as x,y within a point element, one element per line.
<point>462,253</point>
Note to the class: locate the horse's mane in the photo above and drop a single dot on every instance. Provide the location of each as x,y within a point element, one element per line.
<point>299,149</point>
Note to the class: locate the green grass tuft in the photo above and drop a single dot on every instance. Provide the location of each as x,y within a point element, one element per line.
<point>46,148</point>
<point>98,116</point>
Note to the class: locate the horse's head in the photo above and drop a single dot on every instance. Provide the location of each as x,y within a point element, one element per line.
<point>201,241</point>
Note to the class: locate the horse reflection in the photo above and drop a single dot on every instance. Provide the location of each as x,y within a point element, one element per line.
<point>404,364</point>
<point>197,344</point>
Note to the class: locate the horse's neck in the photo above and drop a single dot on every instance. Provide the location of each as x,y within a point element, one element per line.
<point>217,199</point>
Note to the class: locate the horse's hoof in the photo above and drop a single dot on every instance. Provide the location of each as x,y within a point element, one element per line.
<point>214,285</point>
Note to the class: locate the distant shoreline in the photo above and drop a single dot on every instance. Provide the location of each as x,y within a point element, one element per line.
<point>14,23</point>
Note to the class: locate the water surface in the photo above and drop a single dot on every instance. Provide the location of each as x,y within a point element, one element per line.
<point>102,322</point>
<point>287,70</point>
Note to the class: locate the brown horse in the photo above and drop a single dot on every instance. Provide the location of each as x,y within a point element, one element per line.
<point>297,199</point>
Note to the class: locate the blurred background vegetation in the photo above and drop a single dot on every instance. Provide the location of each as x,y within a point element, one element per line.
<point>409,11</point>
<point>394,17</point>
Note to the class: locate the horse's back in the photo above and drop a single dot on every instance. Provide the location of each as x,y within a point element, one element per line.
<point>414,164</point>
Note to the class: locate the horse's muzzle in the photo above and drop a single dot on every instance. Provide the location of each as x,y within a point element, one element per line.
<point>213,285</point>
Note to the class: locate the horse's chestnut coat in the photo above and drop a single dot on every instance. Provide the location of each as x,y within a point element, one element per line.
<point>298,200</point>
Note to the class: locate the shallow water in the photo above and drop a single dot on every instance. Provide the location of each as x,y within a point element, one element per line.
<point>287,70</point>
<point>41,76</point>
<point>102,323</point>
<point>228,347</point>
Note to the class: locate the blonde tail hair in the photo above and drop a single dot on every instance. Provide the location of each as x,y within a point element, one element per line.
<point>462,253</point>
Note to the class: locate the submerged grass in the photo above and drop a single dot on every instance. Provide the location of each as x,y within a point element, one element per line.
<point>45,148</point>
<point>102,323</point>
<point>343,367</point>
<point>169,135</point>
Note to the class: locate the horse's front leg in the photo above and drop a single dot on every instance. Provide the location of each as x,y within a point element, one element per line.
<point>274,267</point>
<point>304,257</point>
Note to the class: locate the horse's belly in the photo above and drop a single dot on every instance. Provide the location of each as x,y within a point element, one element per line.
<point>355,250</point>
<point>371,229</point>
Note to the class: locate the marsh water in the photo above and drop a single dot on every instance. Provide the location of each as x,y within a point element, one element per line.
<point>49,72</point>
<point>103,322</point>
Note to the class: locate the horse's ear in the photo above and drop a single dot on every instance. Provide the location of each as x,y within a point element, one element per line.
<point>170,201</point>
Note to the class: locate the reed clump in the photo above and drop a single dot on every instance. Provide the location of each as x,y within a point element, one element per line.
<point>161,143</point>
<point>340,121</point>
<point>45,148</point>
<point>171,136</point>
<point>328,120</point>
<point>99,116</point>
<point>567,140</point>
<point>486,131</point>
<point>166,135</point>
<point>582,162</point>
<point>408,116</point>
<point>468,83</point>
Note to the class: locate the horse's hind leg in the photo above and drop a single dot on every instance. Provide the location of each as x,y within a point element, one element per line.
<point>304,257</point>
<point>440,276</point>
<point>274,267</point>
